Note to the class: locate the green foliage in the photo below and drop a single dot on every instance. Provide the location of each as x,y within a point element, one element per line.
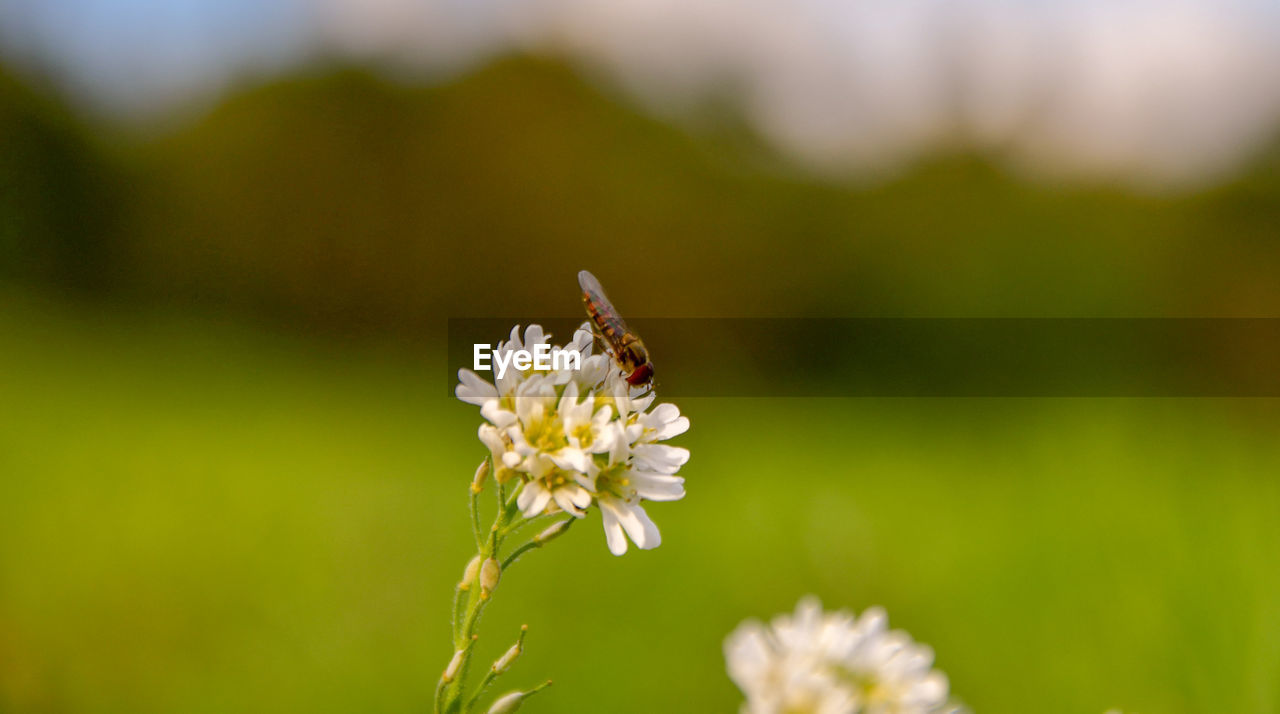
<point>338,198</point>
<point>358,200</point>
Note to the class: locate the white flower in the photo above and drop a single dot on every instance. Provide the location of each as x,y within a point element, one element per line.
<point>832,663</point>
<point>574,438</point>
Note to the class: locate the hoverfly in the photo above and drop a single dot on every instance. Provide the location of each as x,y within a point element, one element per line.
<point>623,344</point>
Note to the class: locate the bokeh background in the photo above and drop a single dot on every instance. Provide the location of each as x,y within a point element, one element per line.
<point>232,232</point>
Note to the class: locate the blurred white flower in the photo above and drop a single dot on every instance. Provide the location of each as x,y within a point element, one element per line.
<point>574,437</point>
<point>833,663</point>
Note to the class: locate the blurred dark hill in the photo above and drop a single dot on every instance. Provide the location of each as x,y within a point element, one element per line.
<point>58,194</point>
<point>342,199</point>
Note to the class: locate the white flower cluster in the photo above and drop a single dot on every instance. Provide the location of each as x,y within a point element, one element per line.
<point>577,437</point>
<point>833,663</point>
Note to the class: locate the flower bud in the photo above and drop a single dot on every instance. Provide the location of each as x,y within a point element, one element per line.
<point>451,671</point>
<point>490,571</point>
<point>552,531</point>
<point>469,575</point>
<point>507,703</point>
<point>505,661</point>
<point>482,473</point>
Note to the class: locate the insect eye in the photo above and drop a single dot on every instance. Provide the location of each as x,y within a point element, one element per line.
<point>643,374</point>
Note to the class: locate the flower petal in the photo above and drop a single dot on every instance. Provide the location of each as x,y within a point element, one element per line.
<point>657,487</point>
<point>527,494</point>
<point>571,459</point>
<point>613,531</point>
<point>498,416</point>
<point>660,457</point>
<point>650,537</point>
<point>673,428</point>
<point>492,438</point>
<point>635,522</point>
<point>581,497</point>
<point>534,336</point>
<point>539,503</point>
<point>569,399</point>
<point>564,499</point>
<point>474,390</point>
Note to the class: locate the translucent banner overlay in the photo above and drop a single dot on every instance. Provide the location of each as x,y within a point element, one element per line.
<point>927,357</point>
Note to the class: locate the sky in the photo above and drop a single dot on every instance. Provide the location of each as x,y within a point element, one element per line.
<point>1157,93</point>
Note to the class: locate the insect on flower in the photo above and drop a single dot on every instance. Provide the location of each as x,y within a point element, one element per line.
<point>623,344</point>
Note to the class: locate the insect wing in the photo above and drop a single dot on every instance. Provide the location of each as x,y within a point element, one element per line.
<point>604,318</point>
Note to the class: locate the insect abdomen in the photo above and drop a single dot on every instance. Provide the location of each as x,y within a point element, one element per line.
<point>610,325</point>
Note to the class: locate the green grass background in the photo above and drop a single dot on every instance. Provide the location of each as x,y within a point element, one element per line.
<point>199,516</point>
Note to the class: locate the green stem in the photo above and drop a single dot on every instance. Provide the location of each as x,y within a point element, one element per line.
<point>515,554</point>
<point>529,523</point>
<point>475,515</point>
<point>449,695</point>
<point>494,672</point>
<point>489,676</point>
<point>465,632</point>
<point>470,620</point>
<point>457,620</point>
<point>439,699</point>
